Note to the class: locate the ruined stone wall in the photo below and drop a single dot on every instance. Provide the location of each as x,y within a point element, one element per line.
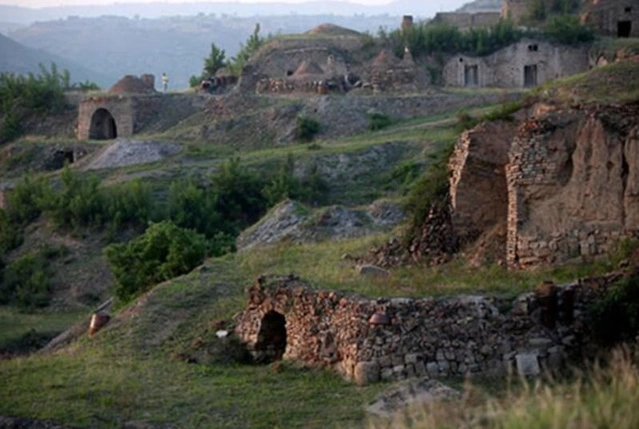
<point>478,190</point>
<point>466,21</point>
<point>516,10</point>
<point>506,67</point>
<point>368,340</point>
<point>606,15</point>
<point>572,185</point>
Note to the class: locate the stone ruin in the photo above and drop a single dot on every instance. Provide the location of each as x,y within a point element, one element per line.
<point>563,183</point>
<point>367,340</point>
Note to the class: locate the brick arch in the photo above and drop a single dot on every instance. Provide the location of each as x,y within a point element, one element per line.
<point>103,125</point>
<point>105,118</point>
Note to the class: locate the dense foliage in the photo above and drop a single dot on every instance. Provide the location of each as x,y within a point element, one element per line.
<point>26,280</point>
<point>164,251</point>
<point>32,93</point>
<point>306,128</point>
<point>568,30</point>
<point>253,43</point>
<point>441,38</point>
<point>215,61</point>
<point>215,208</point>
<point>540,10</point>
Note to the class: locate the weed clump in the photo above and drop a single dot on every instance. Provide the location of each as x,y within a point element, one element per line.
<point>306,129</point>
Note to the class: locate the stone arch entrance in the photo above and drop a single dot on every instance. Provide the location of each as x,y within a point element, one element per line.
<point>271,339</point>
<point>103,126</point>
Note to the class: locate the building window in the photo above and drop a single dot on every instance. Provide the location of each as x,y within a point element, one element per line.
<point>628,10</point>
<point>533,48</point>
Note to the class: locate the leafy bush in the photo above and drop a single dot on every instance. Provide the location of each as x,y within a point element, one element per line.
<point>40,93</point>
<point>27,200</point>
<point>616,317</point>
<point>164,251</point>
<point>568,30</point>
<point>10,235</point>
<point>26,282</point>
<point>436,38</point>
<point>378,121</point>
<point>253,43</point>
<point>306,128</point>
<point>215,61</point>
<point>82,202</point>
<point>311,189</point>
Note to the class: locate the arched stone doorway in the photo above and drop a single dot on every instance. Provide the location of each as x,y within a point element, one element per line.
<point>271,339</point>
<point>103,126</point>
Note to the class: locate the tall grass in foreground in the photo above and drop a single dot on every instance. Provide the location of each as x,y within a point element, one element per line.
<point>602,398</point>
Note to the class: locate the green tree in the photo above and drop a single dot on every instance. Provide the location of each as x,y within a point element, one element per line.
<point>215,61</point>
<point>253,43</point>
<point>164,251</point>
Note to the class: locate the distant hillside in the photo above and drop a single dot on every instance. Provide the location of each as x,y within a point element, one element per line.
<point>481,6</point>
<point>176,45</point>
<point>17,58</point>
<point>418,8</point>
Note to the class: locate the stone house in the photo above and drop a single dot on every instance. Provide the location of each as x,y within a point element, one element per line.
<point>616,18</point>
<point>527,63</point>
<point>389,339</point>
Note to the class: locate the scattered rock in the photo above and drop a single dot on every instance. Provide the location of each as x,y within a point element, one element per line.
<point>528,364</point>
<point>366,373</point>
<point>415,393</point>
<point>372,271</point>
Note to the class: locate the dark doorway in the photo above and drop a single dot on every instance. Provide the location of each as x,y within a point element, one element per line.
<point>271,340</point>
<point>471,76</point>
<point>624,28</point>
<point>530,76</point>
<point>103,126</point>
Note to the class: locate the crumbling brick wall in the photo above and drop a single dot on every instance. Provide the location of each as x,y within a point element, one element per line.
<point>390,339</point>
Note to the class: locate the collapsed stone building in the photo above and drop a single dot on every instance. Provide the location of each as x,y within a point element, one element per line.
<point>367,340</point>
<point>615,18</point>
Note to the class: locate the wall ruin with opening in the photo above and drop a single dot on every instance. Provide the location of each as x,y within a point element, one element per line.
<point>389,339</point>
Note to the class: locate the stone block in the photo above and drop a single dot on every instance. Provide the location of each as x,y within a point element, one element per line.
<point>366,373</point>
<point>528,364</point>
<point>372,271</point>
<point>411,358</point>
<point>432,368</point>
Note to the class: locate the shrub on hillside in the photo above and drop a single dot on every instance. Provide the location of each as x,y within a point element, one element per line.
<point>306,128</point>
<point>378,121</point>
<point>163,252</point>
<point>27,199</point>
<point>38,93</point>
<point>568,30</point>
<point>26,281</point>
<point>310,189</point>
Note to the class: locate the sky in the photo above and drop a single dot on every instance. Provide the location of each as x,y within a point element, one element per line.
<point>450,4</point>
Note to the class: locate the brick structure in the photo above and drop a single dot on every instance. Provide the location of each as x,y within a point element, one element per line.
<point>467,21</point>
<point>616,18</point>
<point>390,339</point>
<point>524,64</point>
<point>515,10</point>
<point>569,179</point>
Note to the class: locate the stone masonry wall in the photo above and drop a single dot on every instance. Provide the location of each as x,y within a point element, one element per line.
<point>391,339</point>
<point>505,68</point>
<point>572,184</point>
<point>120,107</point>
<point>478,190</point>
